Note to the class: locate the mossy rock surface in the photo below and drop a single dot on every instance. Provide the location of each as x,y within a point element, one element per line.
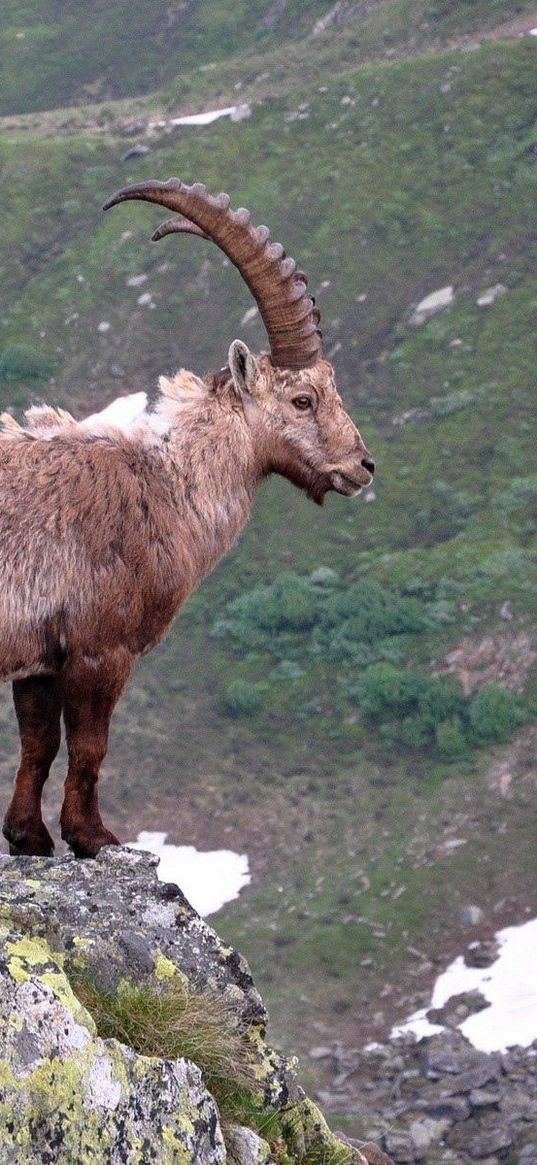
<point>66,1093</point>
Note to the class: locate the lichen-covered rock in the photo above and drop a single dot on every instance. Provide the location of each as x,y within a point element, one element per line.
<point>113,916</point>
<point>70,1097</point>
<point>67,1096</point>
<point>245,1147</point>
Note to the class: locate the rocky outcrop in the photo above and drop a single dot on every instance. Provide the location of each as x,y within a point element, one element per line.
<point>68,1095</point>
<point>441,1101</point>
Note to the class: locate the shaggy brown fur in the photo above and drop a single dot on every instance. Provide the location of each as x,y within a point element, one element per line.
<point>106,528</point>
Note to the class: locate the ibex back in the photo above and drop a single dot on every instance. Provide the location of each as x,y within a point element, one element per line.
<point>107,524</point>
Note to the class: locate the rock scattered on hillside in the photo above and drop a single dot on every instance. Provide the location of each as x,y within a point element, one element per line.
<point>138,151</point>
<point>432,304</point>
<point>442,1101</point>
<point>491,294</point>
<point>501,659</point>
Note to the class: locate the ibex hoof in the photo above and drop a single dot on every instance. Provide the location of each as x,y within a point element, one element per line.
<point>87,844</point>
<point>31,840</point>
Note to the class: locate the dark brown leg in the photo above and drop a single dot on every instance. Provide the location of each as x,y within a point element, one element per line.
<point>38,704</point>
<point>91,688</point>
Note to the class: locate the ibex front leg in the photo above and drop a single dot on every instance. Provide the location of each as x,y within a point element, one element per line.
<point>38,704</point>
<point>91,687</point>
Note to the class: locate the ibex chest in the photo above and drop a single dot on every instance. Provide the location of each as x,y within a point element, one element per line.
<point>163,559</point>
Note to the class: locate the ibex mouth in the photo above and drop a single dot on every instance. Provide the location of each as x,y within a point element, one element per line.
<point>344,483</point>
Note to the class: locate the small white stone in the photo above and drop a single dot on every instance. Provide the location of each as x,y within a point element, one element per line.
<point>436,300</point>
<point>491,294</point>
<point>241,112</point>
<point>145,300</point>
<point>137,280</point>
<point>249,316</point>
<point>104,326</point>
<point>432,303</point>
<point>471,915</point>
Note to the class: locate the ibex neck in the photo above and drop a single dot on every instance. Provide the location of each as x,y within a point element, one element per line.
<point>212,463</point>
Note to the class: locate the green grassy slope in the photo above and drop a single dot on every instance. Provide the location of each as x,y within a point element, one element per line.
<point>59,54</point>
<point>387,183</point>
<point>62,54</point>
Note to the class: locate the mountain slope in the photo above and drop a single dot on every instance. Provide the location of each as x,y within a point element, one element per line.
<point>53,54</point>
<point>389,182</point>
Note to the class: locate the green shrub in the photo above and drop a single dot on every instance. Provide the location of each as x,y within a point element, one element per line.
<point>450,738</point>
<point>417,711</point>
<point>315,615</point>
<point>22,362</point>
<point>439,699</point>
<point>287,669</point>
<point>383,691</point>
<point>375,611</point>
<point>289,604</point>
<point>241,698</point>
<point>493,716</point>
<point>325,577</point>
<point>387,690</point>
<point>413,732</point>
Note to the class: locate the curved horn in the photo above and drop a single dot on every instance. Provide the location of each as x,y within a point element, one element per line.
<point>280,290</point>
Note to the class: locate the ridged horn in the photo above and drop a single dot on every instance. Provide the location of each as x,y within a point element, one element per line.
<point>280,290</point>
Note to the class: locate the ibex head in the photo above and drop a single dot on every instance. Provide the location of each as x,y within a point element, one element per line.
<point>289,394</point>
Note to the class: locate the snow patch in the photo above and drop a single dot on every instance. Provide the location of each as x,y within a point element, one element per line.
<point>204,118</point>
<point>235,112</point>
<point>509,985</point>
<point>208,880</point>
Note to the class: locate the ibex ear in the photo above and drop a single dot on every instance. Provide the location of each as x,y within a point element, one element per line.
<point>243,366</point>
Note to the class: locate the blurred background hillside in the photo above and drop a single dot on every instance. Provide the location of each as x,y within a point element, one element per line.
<point>350,698</point>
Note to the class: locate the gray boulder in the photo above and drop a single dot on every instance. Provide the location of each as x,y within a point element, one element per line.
<point>69,1095</point>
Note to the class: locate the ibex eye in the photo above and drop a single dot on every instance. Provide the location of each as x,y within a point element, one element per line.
<point>302,402</point>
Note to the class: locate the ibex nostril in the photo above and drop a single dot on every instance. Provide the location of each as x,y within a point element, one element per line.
<point>369,465</point>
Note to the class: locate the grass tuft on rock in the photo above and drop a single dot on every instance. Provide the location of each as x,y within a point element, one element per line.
<point>179,1021</point>
<point>175,1022</point>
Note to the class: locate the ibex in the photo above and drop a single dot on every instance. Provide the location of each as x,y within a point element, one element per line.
<point>108,524</point>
